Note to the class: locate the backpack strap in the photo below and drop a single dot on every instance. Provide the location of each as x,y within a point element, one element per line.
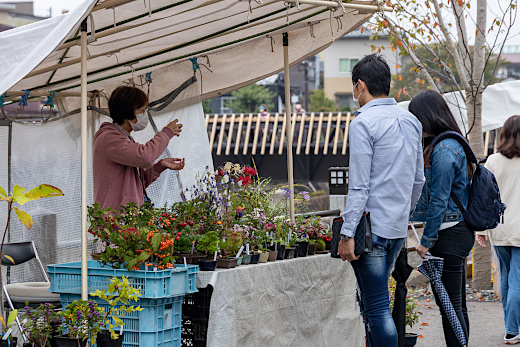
<point>470,156</point>
<point>458,203</point>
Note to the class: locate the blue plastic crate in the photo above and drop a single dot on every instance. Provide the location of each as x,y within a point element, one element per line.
<point>66,279</point>
<point>158,324</point>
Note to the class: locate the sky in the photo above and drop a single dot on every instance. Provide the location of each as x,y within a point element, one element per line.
<point>41,8</point>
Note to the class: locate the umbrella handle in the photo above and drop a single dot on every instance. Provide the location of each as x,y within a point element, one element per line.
<point>415,232</point>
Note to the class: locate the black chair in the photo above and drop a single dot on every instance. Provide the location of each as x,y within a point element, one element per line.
<point>34,292</point>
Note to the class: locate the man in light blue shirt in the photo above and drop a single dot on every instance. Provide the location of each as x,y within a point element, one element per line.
<point>385,179</point>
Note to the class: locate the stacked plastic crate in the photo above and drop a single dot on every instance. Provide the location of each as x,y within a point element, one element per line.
<point>159,323</point>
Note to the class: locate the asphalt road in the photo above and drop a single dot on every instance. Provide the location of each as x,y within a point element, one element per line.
<point>486,325</point>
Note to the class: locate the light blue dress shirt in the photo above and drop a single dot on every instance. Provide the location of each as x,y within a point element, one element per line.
<point>386,168</point>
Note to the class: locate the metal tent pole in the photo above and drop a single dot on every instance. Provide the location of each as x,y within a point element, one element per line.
<point>84,270</point>
<point>288,117</point>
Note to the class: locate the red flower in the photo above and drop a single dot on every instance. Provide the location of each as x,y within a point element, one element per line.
<point>245,180</point>
<point>176,238</point>
<point>249,171</point>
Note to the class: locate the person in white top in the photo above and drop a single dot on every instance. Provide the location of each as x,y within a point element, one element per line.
<point>505,238</point>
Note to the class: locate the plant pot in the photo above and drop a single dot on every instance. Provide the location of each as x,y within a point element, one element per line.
<point>207,265</point>
<point>263,257</point>
<point>322,252</point>
<point>95,256</point>
<point>272,255</point>
<point>410,339</point>
<point>246,259</point>
<point>281,251</point>
<point>239,260</point>
<point>5,343</point>
<point>328,245</point>
<point>296,247</point>
<point>62,341</point>
<point>313,247</point>
<point>289,252</point>
<point>197,258</point>
<point>303,248</point>
<point>227,263</point>
<point>105,340</point>
<point>255,258</point>
<point>181,256</point>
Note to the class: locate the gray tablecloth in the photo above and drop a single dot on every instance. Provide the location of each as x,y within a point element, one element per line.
<point>300,302</point>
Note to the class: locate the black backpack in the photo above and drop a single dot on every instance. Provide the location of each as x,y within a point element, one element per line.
<point>484,205</point>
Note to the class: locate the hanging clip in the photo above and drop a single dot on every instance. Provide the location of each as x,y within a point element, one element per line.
<point>194,64</point>
<point>50,101</point>
<point>23,100</point>
<point>340,4</point>
<point>148,77</point>
<point>2,99</point>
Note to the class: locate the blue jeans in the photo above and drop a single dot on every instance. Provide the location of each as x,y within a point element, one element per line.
<point>372,272</point>
<point>509,258</point>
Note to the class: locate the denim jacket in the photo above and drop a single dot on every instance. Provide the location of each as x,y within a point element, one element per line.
<point>447,170</point>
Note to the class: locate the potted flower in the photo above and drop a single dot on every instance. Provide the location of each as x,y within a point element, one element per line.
<point>229,247</point>
<point>208,244</point>
<point>38,324</point>
<point>118,295</point>
<point>411,315</point>
<point>80,321</point>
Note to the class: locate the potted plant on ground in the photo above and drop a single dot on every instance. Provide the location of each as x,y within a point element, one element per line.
<point>37,324</point>
<point>80,321</point>
<point>411,316</point>
<point>7,339</point>
<point>208,245</point>
<point>118,295</point>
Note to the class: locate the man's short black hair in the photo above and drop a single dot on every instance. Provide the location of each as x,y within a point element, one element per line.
<point>124,101</point>
<point>375,72</point>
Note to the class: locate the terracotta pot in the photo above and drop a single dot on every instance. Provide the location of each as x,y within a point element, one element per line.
<point>181,256</point>
<point>313,247</point>
<point>197,258</point>
<point>263,257</point>
<point>281,251</point>
<point>227,263</point>
<point>272,255</point>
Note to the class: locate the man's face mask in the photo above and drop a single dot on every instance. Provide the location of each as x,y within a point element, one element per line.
<point>356,100</point>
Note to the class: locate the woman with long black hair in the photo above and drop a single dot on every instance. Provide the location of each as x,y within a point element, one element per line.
<point>445,235</point>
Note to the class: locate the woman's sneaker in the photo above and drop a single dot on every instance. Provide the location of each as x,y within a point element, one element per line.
<point>510,339</point>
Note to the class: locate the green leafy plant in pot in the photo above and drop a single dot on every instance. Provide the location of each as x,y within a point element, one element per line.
<point>37,323</point>
<point>411,315</point>
<point>7,339</point>
<point>118,295</point>
<point>208,245</point>
<point>81,321</point>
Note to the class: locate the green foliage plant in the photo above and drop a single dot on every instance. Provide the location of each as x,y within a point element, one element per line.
<point>208,243</point>
<point>321,244</point>
<point>320,103</point>
<point>20,196</point>
<point>119,292</point>
<point>247,99</point>
<point>412,313</point>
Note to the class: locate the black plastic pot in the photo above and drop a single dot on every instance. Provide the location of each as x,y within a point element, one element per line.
<point>303,248</point>
<point>281,251</point>
<point>105,340</point>
<point>70,342</point>
<point>289,252</point>
<point>410,339</point>
<point>207,265</point>
<point>296,248</point>
<point>313,247</point>
<point>13,343</point>
<point>254,258</point>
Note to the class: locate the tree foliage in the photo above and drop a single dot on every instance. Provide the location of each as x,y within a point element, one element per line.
<point>434,33</point>
<point>248,99</point>
<point>318,102</point>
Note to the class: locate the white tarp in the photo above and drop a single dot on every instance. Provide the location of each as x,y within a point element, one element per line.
<point>500,101</point>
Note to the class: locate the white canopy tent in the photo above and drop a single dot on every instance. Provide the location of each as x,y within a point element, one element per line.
<point>500,101</point>
<point>104,43</point>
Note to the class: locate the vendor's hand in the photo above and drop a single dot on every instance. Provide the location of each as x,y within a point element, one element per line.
<point>421,250</point>
<point>173,163</point>
<point>346,250</point>
<point>175,127</point>
<point>482,239</point>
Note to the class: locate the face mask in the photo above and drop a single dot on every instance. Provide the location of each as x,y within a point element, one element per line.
<point>353,98</point>
<point>142,121</point>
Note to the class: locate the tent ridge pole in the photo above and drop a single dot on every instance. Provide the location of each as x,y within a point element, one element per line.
<point>84,270</point>
<point>288,121</point>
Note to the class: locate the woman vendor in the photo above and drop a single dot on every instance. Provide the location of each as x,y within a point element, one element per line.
<point>122,168</point>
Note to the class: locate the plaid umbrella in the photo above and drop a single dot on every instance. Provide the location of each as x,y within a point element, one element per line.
<point>431,267</point>
<point>401,273</point>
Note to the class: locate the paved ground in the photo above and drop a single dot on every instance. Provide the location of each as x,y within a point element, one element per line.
<point>486,325</point>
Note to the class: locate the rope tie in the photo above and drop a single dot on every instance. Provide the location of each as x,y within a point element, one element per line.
<point>311,26</point>
<point>340,4</point>
<point>133,75</point>
<point>287,7</point>
<point>298,4</point>
<point>273,42</point>
<point>114,13</point>
<point>339,24</point>
<point>196,66</point>
<point>332,10</point>
<point>92,29</point>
